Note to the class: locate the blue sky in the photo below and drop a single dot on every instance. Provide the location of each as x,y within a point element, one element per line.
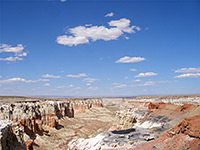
<point>99,48</point>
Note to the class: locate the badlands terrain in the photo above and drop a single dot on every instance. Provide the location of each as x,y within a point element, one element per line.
<point>140,123</point>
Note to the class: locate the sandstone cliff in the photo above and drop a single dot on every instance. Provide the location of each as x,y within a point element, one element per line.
<point>140,126</point>
<point>30,118</point>
<point>10,136</point>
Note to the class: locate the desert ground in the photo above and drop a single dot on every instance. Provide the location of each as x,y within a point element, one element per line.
<point>137,123</point>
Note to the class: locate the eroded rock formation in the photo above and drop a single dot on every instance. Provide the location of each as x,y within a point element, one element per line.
<point>10,136</point>
<point>140,126</point>
<point>146,123</point>
<point>31,117</point>
<point>183,136</point>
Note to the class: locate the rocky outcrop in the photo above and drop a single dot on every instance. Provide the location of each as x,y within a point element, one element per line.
<point>32,117</point>
<point>29,145</point>
<point>116,139</point>
<point>140,123</point>
<point>10,137</point>
<point>178,100</point>
<point>189,126</point>
<point>185,135</point>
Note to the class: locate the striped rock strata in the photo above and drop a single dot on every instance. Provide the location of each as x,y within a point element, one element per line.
<point>30,118</point>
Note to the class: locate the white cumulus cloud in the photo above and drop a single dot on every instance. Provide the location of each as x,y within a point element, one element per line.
<point>188,70</point>
<point>189,75</point>
<point>85,34</point>
<point>20,80</point>
<point>21,54</point>
<point>70,86</point>
<point>87,25</point>
<point>89,80</point>
<point>88,84</point>
<point>128,59</point>
<point>132,69</point>
<point>147,74</point>
<point>148,83</point>
<point>70,40</point>
<point>11,59</point>
<point>77,76</point>
<point>109,14</point>
<point>138,80</point>
<point>124,25</point>
<point>46,84</point>
<point>8,48</point>
<point>118,85</point>
<point>18,52</point>
<point>50,76</point>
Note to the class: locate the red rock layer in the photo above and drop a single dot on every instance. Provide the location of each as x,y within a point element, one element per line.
<point>186,135</point>
<point>29,145</point>
<point>32,117</point>
<point>189,126</point>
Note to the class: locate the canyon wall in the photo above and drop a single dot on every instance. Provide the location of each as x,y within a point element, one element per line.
<point>148,125</point>
<point>32,118</point>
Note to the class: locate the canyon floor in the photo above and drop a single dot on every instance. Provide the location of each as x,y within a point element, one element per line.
<point>141,123</point>
<point>84,125</point>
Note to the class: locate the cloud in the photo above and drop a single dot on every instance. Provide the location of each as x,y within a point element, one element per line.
<point>11,59</point>
<point>50,76</point>
<point>77,88</point>
<point>93,88</point>
<point>125,77</point>
<point>70,86</point>
<point>124,25</point>
<point>118,85</point>
<point>147,74</point>
<point>109,14</point>
<point>0,76</point>
<point>46,84</point>
<point>20,80</point>
<point>63,0</point>
<point>148,83</point>
<point>87,25</point>
<point>70,40</point>
<point>88,84</point>
<point>137,28</point>
<point>189,75</point>
<point>8,48</point>
<point>18,50</point>
<point>89,80</point>
<point>86,34</point>
<point>132,69</point>
<point>138,80</point>
<point>34,81</point>
<point>77,76</point>
<point>128,59</point>
<point>21,54</point>
<point>188,70</point>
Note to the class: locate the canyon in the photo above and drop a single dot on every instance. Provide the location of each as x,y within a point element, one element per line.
<point>139,123</point>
